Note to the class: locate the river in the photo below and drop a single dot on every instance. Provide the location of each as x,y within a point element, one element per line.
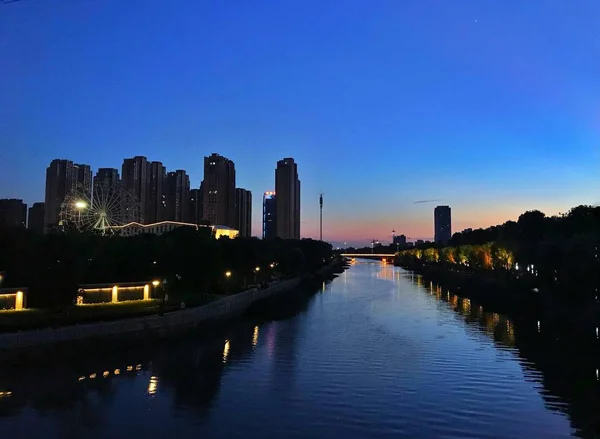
<point>376,353</point>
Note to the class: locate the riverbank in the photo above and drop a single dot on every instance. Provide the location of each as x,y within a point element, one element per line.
<point>145,329</point>
<point>512,296</point>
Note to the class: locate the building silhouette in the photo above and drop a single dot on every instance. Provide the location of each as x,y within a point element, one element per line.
<point>442,224</point>
<point>269,222</point>
<point>400,240</point>
<point>134,173</point>
<point>62,177</point>
<point>218,191</point>
<point>177,194</point>
<point>83,177</point>
<point>287,188</point>
<point>194,209</point>
<point>13,213</point>
<point>156,206</point>
<point>106,177</point>
<point>35,218</point>
<point>243,212</point>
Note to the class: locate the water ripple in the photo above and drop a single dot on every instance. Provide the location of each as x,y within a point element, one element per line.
<point>379,354</point>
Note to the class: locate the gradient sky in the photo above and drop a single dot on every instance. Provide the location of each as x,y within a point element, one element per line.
<point>491,107</point>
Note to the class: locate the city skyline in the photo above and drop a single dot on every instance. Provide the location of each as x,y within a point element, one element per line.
<point>500,112</point>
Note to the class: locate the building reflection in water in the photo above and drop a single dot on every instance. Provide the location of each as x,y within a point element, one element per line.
<point>566,365</point>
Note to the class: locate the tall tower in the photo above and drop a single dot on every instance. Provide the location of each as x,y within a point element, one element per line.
<point>287,188</point>
<point>35,218</point>
<point>218,191</point>
<point>269,230</point>
<point>177,195</point>
<point>135,178</point>
<point>442,217</point>
<point>194,210</point>
<point>243,212</point>
<point>83,177</point>
<point>60,181</point>
<point>155,198</point>
<point>107,177</point>
<point>321,216</point>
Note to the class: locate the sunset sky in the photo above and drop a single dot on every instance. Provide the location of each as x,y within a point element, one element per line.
<point>491,107</point>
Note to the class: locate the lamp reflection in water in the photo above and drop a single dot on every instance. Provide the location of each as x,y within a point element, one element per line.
<point>225,351</point>
<point>255,336</point>
<point>153,386</point>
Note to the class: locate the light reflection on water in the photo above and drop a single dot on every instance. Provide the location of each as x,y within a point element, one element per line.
<point>382,353</point>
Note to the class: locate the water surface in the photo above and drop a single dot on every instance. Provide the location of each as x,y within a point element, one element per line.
<point>376,353</point>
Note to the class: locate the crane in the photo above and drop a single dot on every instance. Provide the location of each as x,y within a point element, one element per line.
<point>373,242</point>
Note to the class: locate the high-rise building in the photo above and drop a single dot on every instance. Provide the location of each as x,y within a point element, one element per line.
<point>35,219</point>
<point>13,213</point>
<point>400,240</point>
<point>83,177</point>
<point>287,188</point>
<point>156,203</point>
<point>177,194</point>
<point>194,209</point>
<point>243,212</point>
<point>134,173</point>
<point>61,177</point>
<point>269,228</point>
<point>218,191</point>
<point>107,177</point>
<point>442,224</point>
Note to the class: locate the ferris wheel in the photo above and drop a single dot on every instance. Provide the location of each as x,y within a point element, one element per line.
<point>101,208</point>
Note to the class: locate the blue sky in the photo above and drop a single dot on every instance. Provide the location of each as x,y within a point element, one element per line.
<point>492,107</point>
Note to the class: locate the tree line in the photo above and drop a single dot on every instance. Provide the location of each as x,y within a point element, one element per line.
<point>192,261</point>
<point>560,252</point>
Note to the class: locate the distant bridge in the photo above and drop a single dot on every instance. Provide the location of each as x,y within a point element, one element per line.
<point>368,255</point>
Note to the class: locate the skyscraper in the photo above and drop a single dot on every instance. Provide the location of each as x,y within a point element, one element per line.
<point>61,177</point>
<point>194,210</point>
<point>135,179</point>
<point>287,188</point>
<point>156,204</point>
<point>269,228</point>
<point>442,224</point>
<point>35,219</point>
<point>83,177</point>
<point>243,212</point>
<point>177,195</point>
<point>13,213</point>
<point>107,177</point>
<point>218,196</point>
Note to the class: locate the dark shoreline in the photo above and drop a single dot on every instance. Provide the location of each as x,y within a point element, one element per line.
<point>513,297</point>
<point>294,291</point>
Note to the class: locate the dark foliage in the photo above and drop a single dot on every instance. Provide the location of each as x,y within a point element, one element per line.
<point>192,262</point>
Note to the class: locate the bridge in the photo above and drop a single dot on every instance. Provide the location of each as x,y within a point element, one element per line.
<point>369,255</point>
<point>388,257</point>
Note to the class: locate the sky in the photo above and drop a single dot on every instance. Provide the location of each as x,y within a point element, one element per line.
<point>389,107</point>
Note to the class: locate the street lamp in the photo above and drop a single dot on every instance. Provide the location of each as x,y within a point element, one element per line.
<point>227,276</point>
<point>256,270</point>
<point>80,205</point>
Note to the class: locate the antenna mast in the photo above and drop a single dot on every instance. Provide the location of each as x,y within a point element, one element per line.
<point>321,216</point>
